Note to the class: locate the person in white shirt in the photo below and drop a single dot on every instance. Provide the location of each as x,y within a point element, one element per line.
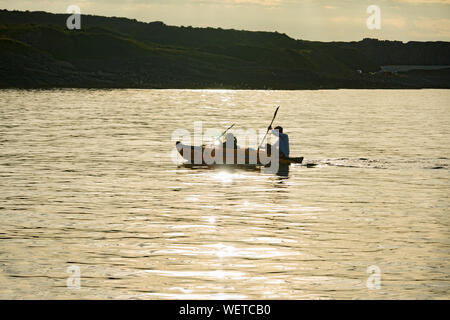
<point>283,141</point>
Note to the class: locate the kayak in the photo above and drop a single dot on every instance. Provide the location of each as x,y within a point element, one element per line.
<point>203,155</point>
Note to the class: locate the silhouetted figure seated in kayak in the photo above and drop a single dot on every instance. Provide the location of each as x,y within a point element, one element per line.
<point>282,144</point>
<point>230,141</point>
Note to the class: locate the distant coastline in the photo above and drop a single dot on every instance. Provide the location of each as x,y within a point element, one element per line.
<point>38,51</point>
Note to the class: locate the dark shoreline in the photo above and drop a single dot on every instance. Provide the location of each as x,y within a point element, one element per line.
<point>37,51</point>
<point>213,88</point>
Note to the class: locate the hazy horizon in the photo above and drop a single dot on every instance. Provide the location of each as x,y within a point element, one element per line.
<point>320,20</point>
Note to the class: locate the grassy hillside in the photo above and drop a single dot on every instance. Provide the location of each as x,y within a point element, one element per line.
<point>37,50</point>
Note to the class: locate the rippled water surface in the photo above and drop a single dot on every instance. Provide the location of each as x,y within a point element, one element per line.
<point>87,180</point>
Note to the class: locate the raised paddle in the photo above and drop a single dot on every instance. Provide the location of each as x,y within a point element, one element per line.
<point>223,133</point>
<point>274,115</point>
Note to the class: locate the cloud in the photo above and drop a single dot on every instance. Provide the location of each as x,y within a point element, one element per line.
<point>265,3</point>
<point>348,20</point>
<point>398,22</point>
<point>438,27</point>
<point>260,2</point>
<point>425,1</point>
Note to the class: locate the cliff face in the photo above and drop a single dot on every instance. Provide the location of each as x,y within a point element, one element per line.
<point>37,50</point>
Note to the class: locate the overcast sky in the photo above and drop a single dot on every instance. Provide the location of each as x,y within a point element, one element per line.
<point>325,20</point>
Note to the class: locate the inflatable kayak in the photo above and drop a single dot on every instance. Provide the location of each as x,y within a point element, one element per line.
<point>203,155</point>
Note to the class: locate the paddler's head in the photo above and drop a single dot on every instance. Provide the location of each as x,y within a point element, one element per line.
<point>230,137</point>
<point>280,129</point>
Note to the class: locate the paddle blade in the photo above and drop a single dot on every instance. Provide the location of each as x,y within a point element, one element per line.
<point>276,111</point>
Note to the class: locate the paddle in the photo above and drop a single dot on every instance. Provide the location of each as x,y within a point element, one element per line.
<point>274,115</point>
<point>224,133</point>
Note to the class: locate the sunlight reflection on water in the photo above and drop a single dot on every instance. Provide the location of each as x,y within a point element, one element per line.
<point>87,179</point>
